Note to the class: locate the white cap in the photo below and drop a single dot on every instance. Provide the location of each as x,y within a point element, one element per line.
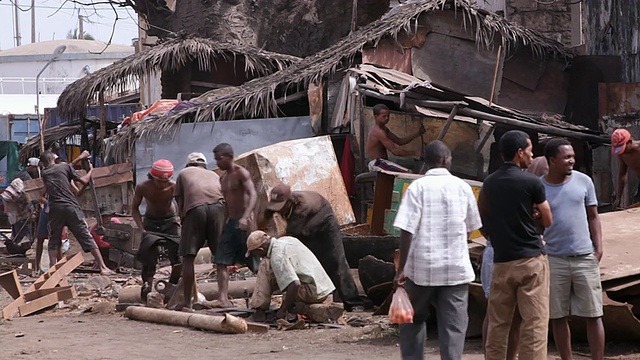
<point>55,156</point>
<point>196,158</point>
<point>33,161</point>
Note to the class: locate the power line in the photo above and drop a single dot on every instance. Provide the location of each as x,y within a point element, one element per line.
<point>62,8</point>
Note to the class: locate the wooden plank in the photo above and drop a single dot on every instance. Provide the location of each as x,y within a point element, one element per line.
<point>257,327</point>
<point>54,276</point>
<point>30,296</point>
<point>11,310</point>
<point>621,251</point>
<point>381,202</point>
<point>46,301</point>
<point>10,282</point>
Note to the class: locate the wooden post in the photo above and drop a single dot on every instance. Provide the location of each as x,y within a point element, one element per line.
<point>354,16</point>
<point>103,125</point>
<point>446,126</point>
<point>495,75</point>
<point>228,324</point>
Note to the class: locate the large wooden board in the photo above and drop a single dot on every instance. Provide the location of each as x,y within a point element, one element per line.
<point>620,231</point>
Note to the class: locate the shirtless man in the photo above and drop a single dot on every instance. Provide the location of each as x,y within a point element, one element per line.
<point>160,217</point>
<point>628,151</point>
<point>240,196</point>
<point>381,140</point>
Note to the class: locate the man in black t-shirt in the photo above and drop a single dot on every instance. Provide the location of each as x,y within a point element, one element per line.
<point>64,209</point>
<point>508,200</point>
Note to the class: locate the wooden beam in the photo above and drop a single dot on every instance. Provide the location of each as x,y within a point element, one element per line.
<point>446,126</point>
<point>65,293</point>
<point>34,295</point>
<point>10,282</point>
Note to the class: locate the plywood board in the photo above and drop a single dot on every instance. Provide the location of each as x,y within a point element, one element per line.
<point>306,164</point>
<point>620,231</point>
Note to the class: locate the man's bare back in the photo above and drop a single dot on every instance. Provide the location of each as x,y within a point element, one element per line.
<point>631,157</point>
<point>159,198</point>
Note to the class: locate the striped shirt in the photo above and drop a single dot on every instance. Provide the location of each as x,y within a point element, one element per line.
<point>439,210</point>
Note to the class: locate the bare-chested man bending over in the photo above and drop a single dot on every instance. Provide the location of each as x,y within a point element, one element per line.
<point>160,218</point>
<point>381,140</point>
<point>240,197</point>
<point>628,151</point>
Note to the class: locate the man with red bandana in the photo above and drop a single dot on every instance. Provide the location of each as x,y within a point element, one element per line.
<point>628,151</point>
<point>160,223</point>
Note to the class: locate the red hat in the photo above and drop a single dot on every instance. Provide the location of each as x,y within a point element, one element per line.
<point>619,140</point>
<point>162,169</point>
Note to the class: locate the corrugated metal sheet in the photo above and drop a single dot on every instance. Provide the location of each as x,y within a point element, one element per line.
<point>115,113</point>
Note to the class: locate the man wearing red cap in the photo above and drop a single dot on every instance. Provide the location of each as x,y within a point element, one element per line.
<point>311,219</point>
<point>628,152</point>
<point>160,224</point>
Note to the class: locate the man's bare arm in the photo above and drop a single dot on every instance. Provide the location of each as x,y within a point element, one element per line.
<point>392,147</point>
<point>622,181</point>
<point>250,190</point>
<point>483,208</point>
<point>135,207</point>
<point>84,155</point>
<point>546,218</point>
<point>595,230</point>
<point>404,140</point>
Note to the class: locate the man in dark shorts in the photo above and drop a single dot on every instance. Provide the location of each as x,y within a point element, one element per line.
<point>241,197</point>
<point>64,209</point>
<point>520,277</point>
<point>201,208</point>
<point>311,219</point>
<point>160,225</point>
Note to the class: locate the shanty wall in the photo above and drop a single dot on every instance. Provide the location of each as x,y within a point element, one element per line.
<point>242,135</point>
<point>460,137</point>
<point>612,28</point>
<point>550,18</point>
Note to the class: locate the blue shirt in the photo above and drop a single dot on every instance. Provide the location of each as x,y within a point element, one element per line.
<point>569,234</point>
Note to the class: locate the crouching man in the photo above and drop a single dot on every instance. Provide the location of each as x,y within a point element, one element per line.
<point>287,265</point>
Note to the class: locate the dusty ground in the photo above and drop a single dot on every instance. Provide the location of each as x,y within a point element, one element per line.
<point>72,334</point>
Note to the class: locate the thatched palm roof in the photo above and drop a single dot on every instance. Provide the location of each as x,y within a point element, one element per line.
<point>171,55</point>
<point>51,135</point>
<point>258,97</point>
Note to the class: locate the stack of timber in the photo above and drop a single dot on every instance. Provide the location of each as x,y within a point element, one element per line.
<point>48,290</point>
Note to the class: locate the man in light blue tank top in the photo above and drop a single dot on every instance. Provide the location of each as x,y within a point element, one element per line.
<point>574,247</point>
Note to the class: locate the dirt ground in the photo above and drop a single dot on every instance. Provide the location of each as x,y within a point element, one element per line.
<point>64,334</point>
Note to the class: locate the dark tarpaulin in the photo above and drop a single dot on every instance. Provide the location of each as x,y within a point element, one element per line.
<point>9,149</point>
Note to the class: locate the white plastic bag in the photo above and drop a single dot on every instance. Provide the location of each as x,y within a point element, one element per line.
<point>401,311</point>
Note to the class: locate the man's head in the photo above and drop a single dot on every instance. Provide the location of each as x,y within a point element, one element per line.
<point>161,172</point>
<point>46,159</point>
<point>197,159</point>
<point>258,244</point>
<point>620,139</point>
<point>437,155</point>
<point>280,195</point>
<point>32,165</point>
<point>223,153</point>
<point>381,114</point>
<point>560,156</point>
<point>516,147</point>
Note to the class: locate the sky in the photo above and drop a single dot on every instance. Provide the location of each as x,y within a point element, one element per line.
<point>54,24</point>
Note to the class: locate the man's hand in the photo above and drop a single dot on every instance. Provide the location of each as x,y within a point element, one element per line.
<point>598,254</point>
<point>399,280</point>
<point>536,212</point>
<point>84,155</point>
<point>243,223</point>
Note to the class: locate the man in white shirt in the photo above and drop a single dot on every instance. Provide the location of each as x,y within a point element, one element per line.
<point>436,216</point>
<point>290,266</point>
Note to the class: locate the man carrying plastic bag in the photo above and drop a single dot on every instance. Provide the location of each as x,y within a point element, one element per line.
<point>436,216</point>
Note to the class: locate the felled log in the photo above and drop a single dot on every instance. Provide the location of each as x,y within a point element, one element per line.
<point>226,324</point>
<point>131,294</point>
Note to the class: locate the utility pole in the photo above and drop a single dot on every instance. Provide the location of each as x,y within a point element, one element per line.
<point>33,21</point>
<point>18,37</point>
<point>80,29</point>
